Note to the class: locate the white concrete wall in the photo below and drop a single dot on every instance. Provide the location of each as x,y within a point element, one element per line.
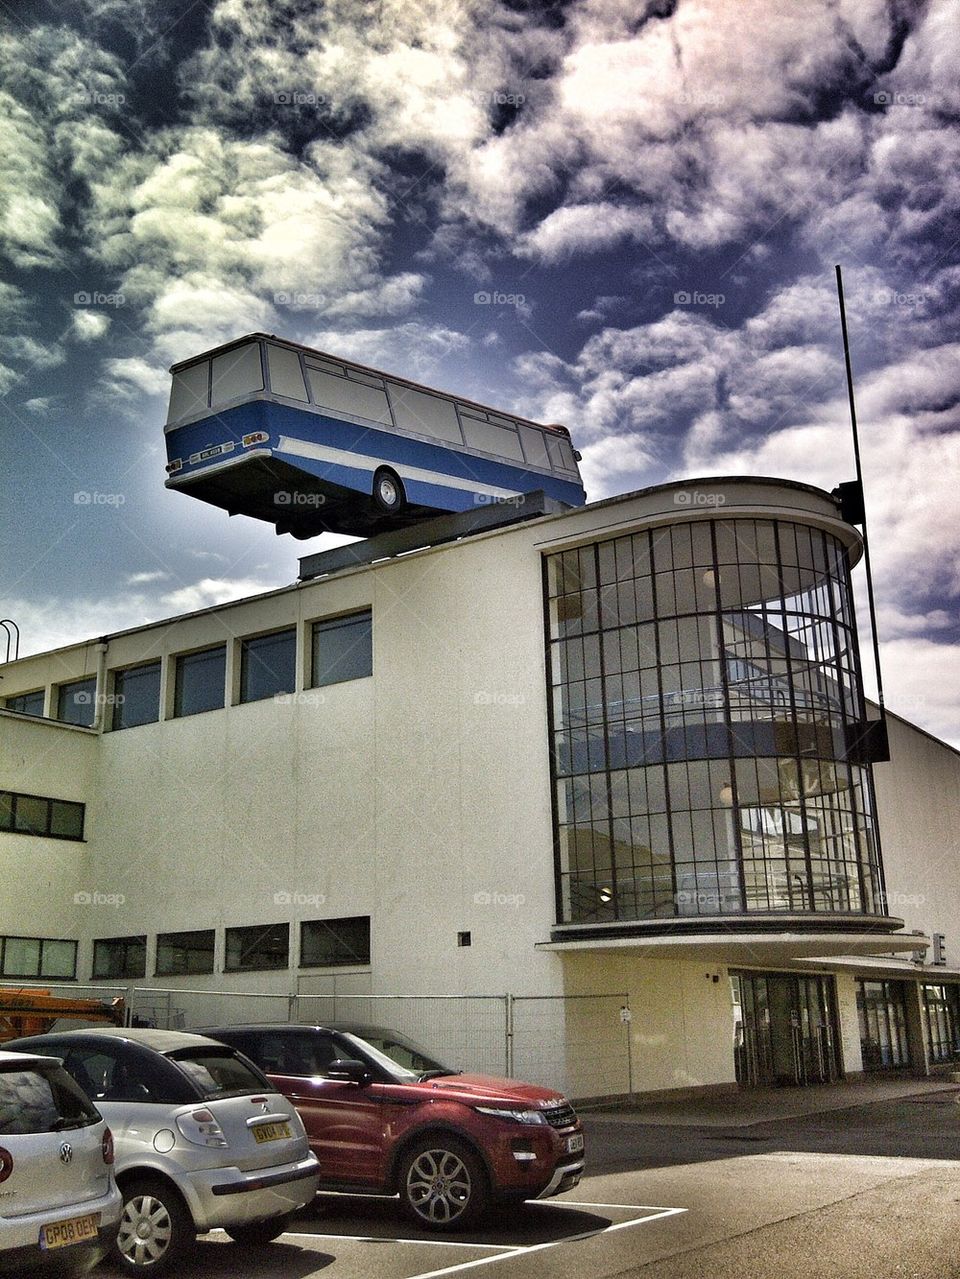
<point>40,876</point>
<point>919,819</point>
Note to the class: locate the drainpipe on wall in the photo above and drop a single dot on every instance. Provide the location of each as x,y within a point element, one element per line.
<point>101,690</point>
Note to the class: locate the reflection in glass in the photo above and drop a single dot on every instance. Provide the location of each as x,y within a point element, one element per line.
<point>704,682</point>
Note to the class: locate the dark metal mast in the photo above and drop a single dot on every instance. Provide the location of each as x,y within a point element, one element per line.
<point>862,512</point>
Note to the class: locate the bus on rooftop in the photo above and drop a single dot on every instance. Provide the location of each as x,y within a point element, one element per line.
<point>312,443</point>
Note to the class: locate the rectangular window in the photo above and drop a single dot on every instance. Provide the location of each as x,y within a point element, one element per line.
<point>342,649</point>
<point>120,957</point>
<point>199,681</point>
<point>189,391</point>
<point>491,438</point>
<point>882,1013</point>
<point>941,1005</point>
<point>424,414</point>
<point>328,943</point>
<point>268,665</point>
<point>38,957</point>
<point>185,953</point>
<point>37,815</point>
<point>340,396</point>
<point>286,376</point>
<point>76,702</point>
<point>236,373</point>
<point>26,703</point>
<point>258,947</point>
<point>136,696</point>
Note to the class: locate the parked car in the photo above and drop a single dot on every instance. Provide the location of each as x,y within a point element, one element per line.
<point>383,1116</point>
<point>202,1139</point>
<point>59,1202</point>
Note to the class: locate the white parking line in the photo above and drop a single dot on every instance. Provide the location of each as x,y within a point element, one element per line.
<point>654,1214</point>
<point>437,1243</point>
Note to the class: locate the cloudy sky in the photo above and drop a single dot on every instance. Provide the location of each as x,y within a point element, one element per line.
<point>656,191</point>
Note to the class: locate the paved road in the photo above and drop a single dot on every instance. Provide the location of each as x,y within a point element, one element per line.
<point>866,1193</point>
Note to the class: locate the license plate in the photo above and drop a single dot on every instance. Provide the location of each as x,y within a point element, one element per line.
<point>271,1132</point>
<point>76,1230</point>
<point>575,1143</point>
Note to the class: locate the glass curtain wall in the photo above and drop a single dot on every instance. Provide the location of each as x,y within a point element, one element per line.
<point>704,682</point>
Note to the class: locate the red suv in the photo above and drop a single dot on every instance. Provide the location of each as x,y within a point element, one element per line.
<point>384,1117</point>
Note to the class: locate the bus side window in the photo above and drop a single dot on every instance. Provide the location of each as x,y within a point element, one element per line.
<point>566,453</point>
<point>286,376</point>
<point>535,447</point>
<point>424,414</point>
<point>553,448</point>
<point>491,438</point>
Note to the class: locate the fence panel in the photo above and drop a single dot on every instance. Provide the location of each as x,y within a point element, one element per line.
<point>465,1032</point>
<point>181,1008</point>
<point>578,1044</point>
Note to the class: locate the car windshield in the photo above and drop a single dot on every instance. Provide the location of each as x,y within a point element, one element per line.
<point>42,1100</point>
<point>221,1074</point>
<point>397,1055</point>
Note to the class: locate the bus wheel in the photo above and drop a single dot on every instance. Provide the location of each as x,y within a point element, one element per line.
<point>388,491</point>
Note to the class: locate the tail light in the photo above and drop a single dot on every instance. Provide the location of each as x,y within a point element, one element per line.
<point>201,1129</point>
<point>6,1164</point>
<point>107,1146</point>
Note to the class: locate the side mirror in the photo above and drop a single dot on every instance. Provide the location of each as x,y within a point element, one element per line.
<point>348,1070</point>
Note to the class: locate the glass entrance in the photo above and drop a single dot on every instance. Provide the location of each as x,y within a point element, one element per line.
<point>784,1030</point>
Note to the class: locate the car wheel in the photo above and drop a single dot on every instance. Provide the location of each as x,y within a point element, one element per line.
<point>442,1184</point>
<point>155,1227</point>
<point>258,1232</point>
<point>388,492</point>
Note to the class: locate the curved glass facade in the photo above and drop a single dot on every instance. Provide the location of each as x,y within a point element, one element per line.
<point>705,687</point>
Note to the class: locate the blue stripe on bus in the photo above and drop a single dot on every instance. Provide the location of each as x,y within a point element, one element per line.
<point>276,420</point>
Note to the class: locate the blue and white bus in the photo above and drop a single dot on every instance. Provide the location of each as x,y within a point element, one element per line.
<point>311,443</point>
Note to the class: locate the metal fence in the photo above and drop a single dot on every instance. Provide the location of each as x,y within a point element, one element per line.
<point>578,1044</point>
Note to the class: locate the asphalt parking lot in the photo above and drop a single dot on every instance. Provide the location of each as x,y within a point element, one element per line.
<point>872,1191</point>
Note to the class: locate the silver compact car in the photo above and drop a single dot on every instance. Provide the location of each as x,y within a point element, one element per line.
<point>203,1140</point>
<point>59,1204</point>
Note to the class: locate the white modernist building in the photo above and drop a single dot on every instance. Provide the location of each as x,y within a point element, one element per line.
<point>612,762</point>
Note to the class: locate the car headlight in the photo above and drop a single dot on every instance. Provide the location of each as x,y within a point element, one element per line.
<point>516,1116</point>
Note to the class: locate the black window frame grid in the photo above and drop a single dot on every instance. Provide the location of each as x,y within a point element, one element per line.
<point>58,941</point>
<point>602,632</point>
<point>127,946</point>
<point>354,960</point>
<point>52,806</point>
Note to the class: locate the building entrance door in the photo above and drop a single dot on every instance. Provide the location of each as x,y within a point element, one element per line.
<point>784,1030</point>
